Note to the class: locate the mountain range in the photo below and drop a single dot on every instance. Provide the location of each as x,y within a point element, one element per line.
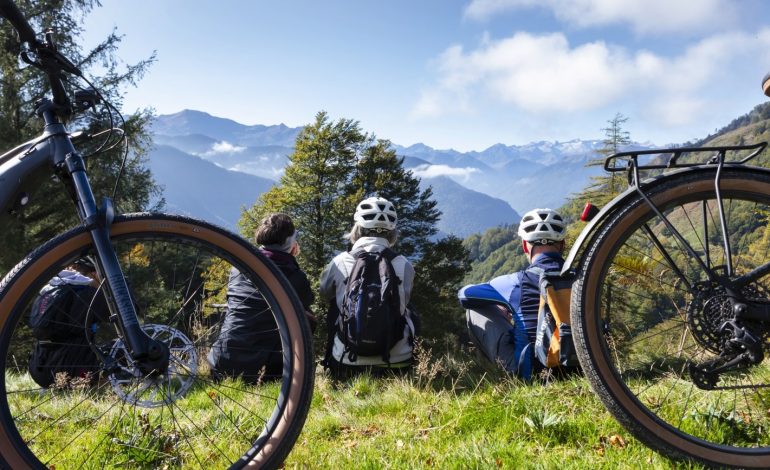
<point>211,167</point>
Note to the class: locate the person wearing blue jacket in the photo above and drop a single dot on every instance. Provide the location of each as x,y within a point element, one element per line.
<point>502,313</point>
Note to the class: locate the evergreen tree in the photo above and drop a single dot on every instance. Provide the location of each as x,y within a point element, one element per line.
<point>333,167</point>
<point>50,210</point>
<point>380,172</point>
<point>615,137</point>
<point>438,276</point>
<point>315,190</point>
<point>603,188</point>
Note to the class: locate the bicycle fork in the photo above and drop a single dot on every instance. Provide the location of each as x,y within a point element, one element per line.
<point>152,356</point>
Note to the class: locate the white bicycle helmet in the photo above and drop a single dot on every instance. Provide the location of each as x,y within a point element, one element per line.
<point>542,226</point>
<point>376,213</point>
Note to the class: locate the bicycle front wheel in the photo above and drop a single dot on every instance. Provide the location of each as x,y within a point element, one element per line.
<point>645,314</point>
<point>105,412</point>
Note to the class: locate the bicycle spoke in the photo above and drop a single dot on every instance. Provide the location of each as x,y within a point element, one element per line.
<point>201,432</point>
<point>67,413</point>
<point>131,418</point>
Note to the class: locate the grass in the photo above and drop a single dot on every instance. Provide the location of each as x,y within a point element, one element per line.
<point>449,412</point>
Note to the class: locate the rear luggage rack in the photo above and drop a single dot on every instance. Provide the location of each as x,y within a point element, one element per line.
<point>661,159</point>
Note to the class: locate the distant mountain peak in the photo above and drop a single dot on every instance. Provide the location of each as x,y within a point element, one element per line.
<point>189,122</point>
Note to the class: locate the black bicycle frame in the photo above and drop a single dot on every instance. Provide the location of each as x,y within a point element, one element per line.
<point>717,160</point>
<point>20,173</point>
<point>637,187</point>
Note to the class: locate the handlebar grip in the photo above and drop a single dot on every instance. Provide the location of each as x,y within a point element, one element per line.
<point>11,12</point>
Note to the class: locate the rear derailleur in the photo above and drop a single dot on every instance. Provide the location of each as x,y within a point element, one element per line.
<point>742,349</point>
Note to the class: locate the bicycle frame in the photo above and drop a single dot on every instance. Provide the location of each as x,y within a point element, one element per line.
<point>639,187</point>
<point>20,171</point>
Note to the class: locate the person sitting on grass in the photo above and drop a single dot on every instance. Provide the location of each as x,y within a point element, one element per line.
<point>502,314</point>
<point>368,290</point>
<point>249,344</point>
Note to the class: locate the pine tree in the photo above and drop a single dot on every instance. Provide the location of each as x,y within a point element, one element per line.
<point>333,167</point>
<point>438,276</point>
<point>380,172</point>
<point>603,188</point>
<point>51,210</point>
<point>315,190</point>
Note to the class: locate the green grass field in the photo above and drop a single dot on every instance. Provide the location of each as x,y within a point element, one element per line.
<point>449,413</point>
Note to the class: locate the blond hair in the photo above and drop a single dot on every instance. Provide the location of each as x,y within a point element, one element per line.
<point>357,232</point>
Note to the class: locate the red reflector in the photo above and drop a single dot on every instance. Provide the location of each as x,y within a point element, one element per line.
<point>589,212</point>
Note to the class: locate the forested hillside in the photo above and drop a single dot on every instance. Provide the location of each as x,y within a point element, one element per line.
<point>497,251</point>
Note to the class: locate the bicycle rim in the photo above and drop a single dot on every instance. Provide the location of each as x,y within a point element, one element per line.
<point>188,417</point>
<point>645,311</point>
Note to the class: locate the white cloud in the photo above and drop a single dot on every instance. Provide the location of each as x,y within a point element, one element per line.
<point>432,171</point>
<point>644,16</point>
<point>541,74</point>
<point>224,147</point>
<point>534,73</point>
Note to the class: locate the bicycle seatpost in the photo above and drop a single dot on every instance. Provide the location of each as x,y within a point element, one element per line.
<point>766,84</point>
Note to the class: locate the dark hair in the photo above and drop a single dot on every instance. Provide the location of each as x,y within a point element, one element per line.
<point>274,229</point>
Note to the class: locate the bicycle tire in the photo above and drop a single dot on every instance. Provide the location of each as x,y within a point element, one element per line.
<point>638,325</point>
<point>112,421</point>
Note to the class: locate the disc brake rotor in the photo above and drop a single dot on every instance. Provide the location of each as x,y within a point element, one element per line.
<point>150,391</point>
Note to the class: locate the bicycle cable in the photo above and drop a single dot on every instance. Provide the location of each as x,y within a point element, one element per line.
<point>108,143</point>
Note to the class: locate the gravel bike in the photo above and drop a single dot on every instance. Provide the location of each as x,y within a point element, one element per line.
<point>671,309</point>
<point>154,401</point>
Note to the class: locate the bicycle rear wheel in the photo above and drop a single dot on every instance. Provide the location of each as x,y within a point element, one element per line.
<point>644,312</point>
<point>187,417</point>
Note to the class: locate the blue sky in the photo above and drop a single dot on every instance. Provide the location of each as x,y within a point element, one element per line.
<point>450,73</point>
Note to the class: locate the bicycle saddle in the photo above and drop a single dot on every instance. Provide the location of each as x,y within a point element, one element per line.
<point>766,84</point>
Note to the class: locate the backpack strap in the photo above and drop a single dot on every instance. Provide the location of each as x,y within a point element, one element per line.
<point>556,289</point>
<point>389,254</point>
<point>395,296</point>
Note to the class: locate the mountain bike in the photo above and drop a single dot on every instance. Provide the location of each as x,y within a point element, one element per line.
<point>671,308</point>
<point>154,401</point>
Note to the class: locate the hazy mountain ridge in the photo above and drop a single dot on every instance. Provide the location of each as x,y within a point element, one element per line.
<point>490,186</point>
<point>196,187</point>
<point>463,210</point>
<point>751,128</point>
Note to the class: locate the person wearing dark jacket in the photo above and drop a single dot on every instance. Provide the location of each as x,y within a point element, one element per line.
<point>249,344</point>
<point>70,300</point>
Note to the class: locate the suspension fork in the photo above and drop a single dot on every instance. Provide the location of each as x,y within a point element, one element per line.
<point>151,354</point>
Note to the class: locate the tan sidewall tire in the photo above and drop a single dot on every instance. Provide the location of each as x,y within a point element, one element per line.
<point>295,406</point>
<point>595,343</point>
